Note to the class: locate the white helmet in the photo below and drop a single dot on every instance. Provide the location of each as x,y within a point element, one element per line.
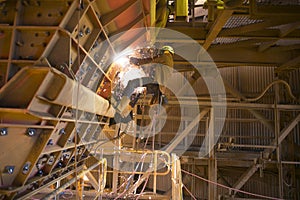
<point>168,48</point>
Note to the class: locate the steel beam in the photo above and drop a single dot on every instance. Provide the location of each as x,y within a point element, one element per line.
<point>245,177</point>
<point>283,134</point>
<point>92,180</point>
<point>129,26</point>
<point>217,26</point>
<point>212,163</point>
<point>198,33</point>
<point>235,105</point>
<point>176,178</point>
<point>255,113</point>
<point>288,28</point>
<point>258,26</point>
<point>70,182</point>
<point>290,64</point>
<point>266,45</point>
<point>109,17</point>
<point>240,43</point>
<point>48,184</point>
<point>246,55</point>
<point>179,138</point>
<point>266,34</point>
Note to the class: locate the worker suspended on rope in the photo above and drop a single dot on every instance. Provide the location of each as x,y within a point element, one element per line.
<point>162,70</point>
<point>155,82</point>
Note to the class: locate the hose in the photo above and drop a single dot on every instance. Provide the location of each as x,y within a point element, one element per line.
<point>269,86</point>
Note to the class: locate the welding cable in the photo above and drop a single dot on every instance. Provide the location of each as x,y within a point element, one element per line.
<point>128,179</point>
<point>289,90</point>
<point>142,165</point>
<point>146,181</point>
<point>141,161</point>
<point>145,147</point>
<point>132,174</point>
<point>229,188</point>
<point>119,136</point>
<point>153,139</point>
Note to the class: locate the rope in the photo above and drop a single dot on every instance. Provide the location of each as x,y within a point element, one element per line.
<point>141,161</point>
<point>143,188</point>
<point>229,188</point>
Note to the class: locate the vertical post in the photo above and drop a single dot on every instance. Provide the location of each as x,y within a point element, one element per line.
<point>193,178</point>
<point>291,156</point>
<point>176,178</point>
<point>153,12</point>
<point>154,173</point>
<point>56,197</point>
<point>211,10</point>
<point>116,161</point>
<point>80,186</point>
<point>173,175</point>
<point>186,139</point>
<point>278,144</point>
<point>193,12</point>
<point>115,174</point>
<point>212,165</point>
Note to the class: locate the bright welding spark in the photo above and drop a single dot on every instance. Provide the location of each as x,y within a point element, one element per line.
<point>85,178</point>
<point>122,59</point>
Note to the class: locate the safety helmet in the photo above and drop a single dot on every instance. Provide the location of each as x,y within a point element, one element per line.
<point>168,48</point>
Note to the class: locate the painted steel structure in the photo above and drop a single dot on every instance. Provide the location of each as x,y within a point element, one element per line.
<point>52,61</point>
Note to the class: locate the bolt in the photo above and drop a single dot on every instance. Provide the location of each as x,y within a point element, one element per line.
<point>31,132</point>
<point>80,34</point>
<point>40,173</point>
<point>62,131</point>
<point>87,31</point>
<point>50,142</point>
<point>9,169</point>
<point>3,131</point>
<point>26,168</point>
<point>59,165</point>
<point>51,160</point>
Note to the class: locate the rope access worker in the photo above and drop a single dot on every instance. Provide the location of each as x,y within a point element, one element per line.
<point>162,71</point>
<point>155,84</point>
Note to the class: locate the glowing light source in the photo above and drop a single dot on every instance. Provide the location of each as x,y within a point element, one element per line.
<point>85,178</point>
<point>122,59</point>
